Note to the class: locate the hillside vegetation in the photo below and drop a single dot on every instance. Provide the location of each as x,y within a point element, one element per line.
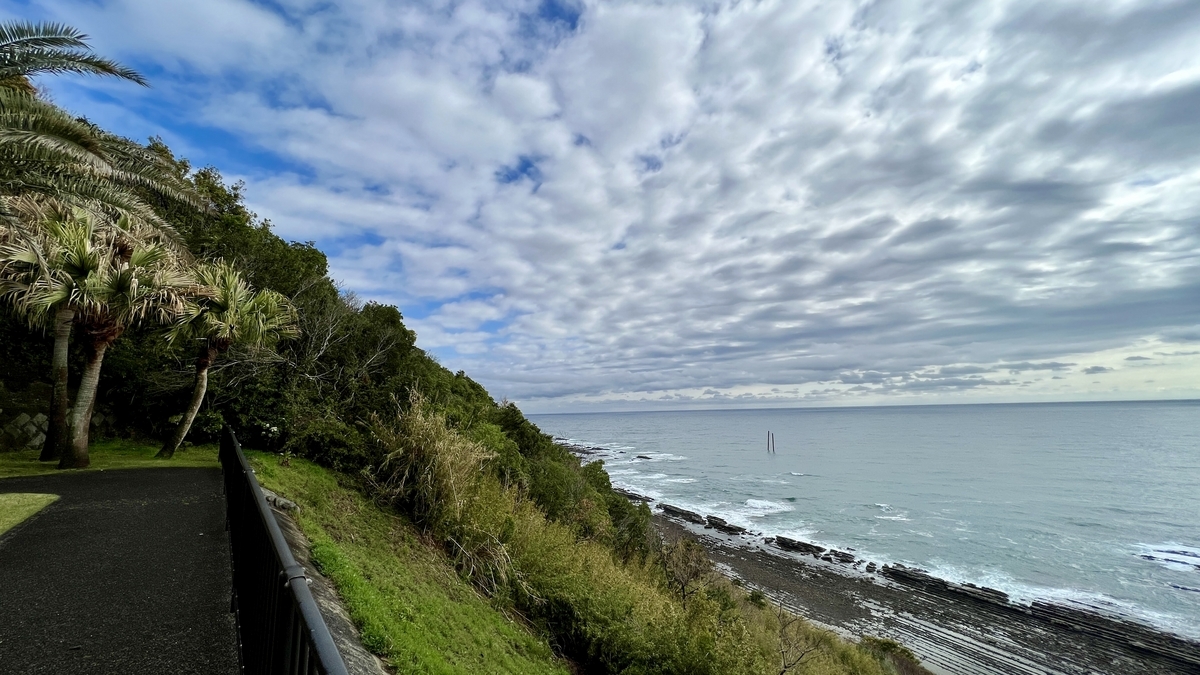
<point>404,574</point>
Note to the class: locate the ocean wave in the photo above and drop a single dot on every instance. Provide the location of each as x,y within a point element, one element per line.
<point>802,534</point>
<point>664,456</point>
<point>1171,555</point>
<point>763,507</point>
<point>899,516</point>
<point>744,514</point>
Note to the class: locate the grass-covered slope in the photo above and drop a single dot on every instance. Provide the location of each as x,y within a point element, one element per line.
<point>411,605</point>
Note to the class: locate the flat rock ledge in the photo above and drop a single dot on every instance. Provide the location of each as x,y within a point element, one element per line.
<point>683,514</point>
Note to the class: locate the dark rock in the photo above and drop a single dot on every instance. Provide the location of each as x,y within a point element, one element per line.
<point>720,524</point>
<point>644,457</point>
<point>871,567</point>
<point>690,516</point>
<point>982,593</point>
<point>631,495</point>
<point>841,556</point>
<point>912,575</point>
<point>932,584</point>
<point>798,546</point>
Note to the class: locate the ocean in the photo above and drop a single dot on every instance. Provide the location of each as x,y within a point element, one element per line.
<point>1093,503</point>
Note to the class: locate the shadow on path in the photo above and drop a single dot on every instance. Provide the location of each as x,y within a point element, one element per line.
<point>127,573</point>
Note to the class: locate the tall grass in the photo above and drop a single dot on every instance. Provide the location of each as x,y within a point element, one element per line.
<point>613,615</point>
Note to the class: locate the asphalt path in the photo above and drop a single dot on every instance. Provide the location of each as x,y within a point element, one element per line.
<point>127,573</point>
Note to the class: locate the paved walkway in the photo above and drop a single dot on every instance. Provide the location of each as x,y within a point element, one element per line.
<point>127,573</point>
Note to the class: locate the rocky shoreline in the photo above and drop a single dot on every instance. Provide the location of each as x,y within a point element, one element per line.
<point>956,629</point>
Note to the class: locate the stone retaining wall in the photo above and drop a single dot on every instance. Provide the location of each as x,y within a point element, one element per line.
<point>23,432</point>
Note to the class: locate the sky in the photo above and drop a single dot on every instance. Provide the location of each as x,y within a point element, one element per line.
<point>647,205</point>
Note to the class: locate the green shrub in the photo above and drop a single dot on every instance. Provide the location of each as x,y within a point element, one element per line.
<point>507,463</point>
<point>757,598</point>
<point>328,440</point>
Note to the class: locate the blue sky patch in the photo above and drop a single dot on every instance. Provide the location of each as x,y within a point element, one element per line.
<point>557,11</point>
<point>526,167</point>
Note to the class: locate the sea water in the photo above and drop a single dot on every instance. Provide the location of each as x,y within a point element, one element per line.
<point>1093,503</point>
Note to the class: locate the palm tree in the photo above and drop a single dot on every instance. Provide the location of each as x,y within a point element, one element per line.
<point>120,282</point>
<point>46,153</point>
<point>229,312</point>
<point>62,254</point>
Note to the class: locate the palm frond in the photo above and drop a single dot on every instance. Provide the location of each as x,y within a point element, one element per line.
<point>28,49</point>
<point>16,35</point>
<point>29,62</point>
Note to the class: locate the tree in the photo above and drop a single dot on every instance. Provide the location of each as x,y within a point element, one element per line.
<point>796,639</point>
<point>687,566</point>
<point>61,253</point>
<point>227,312</point>
<point>116,281</point>
<point>46,154</point>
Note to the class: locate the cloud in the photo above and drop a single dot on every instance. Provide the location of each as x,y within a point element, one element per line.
<point>963,370</point>
<point>1025,365</point>
<point>1138,358</point>
<point>1182,334</point>
<point>1094,370</point>
<point>591,201</point>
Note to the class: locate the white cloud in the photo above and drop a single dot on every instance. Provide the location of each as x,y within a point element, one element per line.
<point>677,197</point>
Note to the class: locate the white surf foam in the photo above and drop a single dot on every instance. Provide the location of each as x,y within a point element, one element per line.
<point>1172,555</point>
<point>1025,593</point>
<point>763,507</point>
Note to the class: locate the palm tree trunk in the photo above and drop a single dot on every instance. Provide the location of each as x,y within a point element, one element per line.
<point>58,436</point>
<point>85,400</point>
<point>204,361</point>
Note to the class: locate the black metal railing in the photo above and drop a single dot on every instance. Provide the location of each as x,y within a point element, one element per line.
<point>280,629</point>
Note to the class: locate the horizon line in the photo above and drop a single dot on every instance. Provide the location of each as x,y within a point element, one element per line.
<point>881,405</point>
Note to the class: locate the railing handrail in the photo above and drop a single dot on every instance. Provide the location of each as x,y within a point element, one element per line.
<point>329,659</point>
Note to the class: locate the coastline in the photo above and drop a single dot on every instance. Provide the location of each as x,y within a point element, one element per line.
<point>951,631</point>
<point>954,629</point>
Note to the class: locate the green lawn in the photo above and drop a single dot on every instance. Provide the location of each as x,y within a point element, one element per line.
<point>110,454</point>
<point>17,506</point>
<point>411,606</point>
